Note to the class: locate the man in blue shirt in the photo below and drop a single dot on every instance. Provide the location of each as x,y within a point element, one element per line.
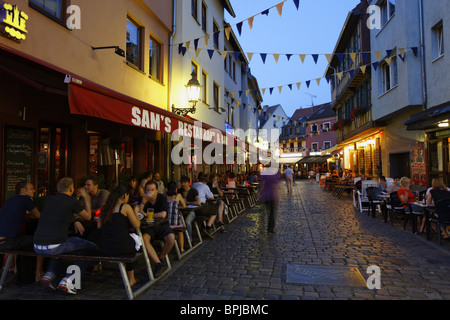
<point>12,217</point>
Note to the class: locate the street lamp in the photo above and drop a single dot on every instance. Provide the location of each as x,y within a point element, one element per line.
<point>193,91</point>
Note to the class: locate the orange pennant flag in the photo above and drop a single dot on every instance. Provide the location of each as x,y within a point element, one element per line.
<point>280,8</point>
<point>263,91</point>
<point>298,85</point>
<point>378,54</point>
<point>318,81</point>
<point>206,40</point>
<point>302,57</point>
<point>276,57</point>
<point>279,88</point>
<point>227,32</point>
<point>250,22</point>
<point>353,56</point>
<point>339,75</point>
<point>197,52</point>
<point>328,56</point>
<point>250,56</point>
<point>363,69</point>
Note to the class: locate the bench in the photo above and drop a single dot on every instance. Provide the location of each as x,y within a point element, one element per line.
<point>120,260</point>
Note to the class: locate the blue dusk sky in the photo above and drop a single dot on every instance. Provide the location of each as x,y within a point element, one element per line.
<point>313,29</point>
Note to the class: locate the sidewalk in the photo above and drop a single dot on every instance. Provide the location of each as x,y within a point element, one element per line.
<point>321,250</point>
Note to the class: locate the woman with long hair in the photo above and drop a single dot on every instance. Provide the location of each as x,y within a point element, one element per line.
<point>115,219</point>
<point>175,201</point>
<point>134,191</point>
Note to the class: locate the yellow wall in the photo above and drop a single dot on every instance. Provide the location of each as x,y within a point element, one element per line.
<point>103,23</point>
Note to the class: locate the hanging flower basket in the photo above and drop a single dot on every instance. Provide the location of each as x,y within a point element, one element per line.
<point>357,112</point>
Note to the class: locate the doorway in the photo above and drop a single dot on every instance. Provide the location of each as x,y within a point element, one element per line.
<point>400,165</point>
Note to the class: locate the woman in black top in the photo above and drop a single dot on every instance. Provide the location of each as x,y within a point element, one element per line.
<point>116,217</point>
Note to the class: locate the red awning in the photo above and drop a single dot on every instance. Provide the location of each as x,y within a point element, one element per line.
<point>94,101</point>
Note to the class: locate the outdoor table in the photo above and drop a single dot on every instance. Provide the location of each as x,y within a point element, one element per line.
<point>428,211</point>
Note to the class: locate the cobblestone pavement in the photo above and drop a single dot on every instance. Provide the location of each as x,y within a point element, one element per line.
<point>321,240</point>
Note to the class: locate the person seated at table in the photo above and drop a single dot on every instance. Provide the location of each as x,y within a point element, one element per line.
<point>216,203</point>
<point>51,236</point>
<point>395,186</point>
<point>209,207</point>
<point>231,181</point>
<point>215,188</point>
<point>175,200</point>
<point>407,197</point>
<point>191,197</point>
<point>161,229</point>
<point>159,183</point>
<point>146,177</point>
<point>252,178</point>
<point>12,217</point>
<point>135,196</point>
<point>439,191</point>
<point>382,184</point>
<point>115,218</point>
<point>358,184</point>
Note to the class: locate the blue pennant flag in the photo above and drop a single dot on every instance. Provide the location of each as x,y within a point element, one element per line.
<point>196,43</point>
<point>308,83</point>
<point>365,55</point>
<point>375,65</point>
<point>315,57</point>
<point>263,57</point>
<point>239,27</point>
<point>288,56</point>
<point>266,12</point>
<point>237,54</point>
<point>340,56</point>
<point>415,51</point>
<point>328,78</point>
<point>402,57</point>
<point>271,90</point>
<point>389,53</point>
<point>210,53</point>
<point>290,86</point>
<point>351,72</point>
<point>297,2</point>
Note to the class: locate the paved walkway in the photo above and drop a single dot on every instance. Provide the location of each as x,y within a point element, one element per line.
<point>321,250</point>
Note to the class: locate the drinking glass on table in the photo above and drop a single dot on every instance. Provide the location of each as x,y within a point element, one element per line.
<point>150,212</point>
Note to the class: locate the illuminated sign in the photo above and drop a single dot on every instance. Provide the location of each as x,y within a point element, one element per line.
<point>13,21</point>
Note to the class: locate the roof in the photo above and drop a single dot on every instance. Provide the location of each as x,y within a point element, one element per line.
<point>227,5</point>
<point>324,111</point>
<point>301,113</point>
<point>429,118</point>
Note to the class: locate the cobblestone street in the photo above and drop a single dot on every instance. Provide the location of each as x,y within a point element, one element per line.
<point>319,239</point>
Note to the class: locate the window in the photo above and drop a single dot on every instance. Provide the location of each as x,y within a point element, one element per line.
<point>314,146</point>
<point>194,67</point>
<point>387,10</point>
<point>216,97</point>
<point>133,44</point>
<point>204,13</point>
<point>389,75</point>
<point>155,59</point>
<point>326,145</point>
<point>314,128</point>
<point>194,8</point>
<point>216,35</point>
<point>438,40</point>
<point>205,87</point>
<point>55,9</point>
<point>326,127</point>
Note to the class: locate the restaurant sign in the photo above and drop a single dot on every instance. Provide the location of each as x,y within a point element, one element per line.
<point>13,22</point>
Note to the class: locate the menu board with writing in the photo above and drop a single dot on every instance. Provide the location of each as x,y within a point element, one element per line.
<point>19,147</point>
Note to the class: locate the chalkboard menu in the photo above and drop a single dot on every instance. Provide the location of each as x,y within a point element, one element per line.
<point>19,147</point>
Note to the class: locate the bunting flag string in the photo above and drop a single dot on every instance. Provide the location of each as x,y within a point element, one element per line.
<point>250,21</point>
<point>363,68</point>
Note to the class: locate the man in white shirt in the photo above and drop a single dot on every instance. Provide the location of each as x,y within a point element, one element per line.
<point>289,174</point>
<point>208,209</point>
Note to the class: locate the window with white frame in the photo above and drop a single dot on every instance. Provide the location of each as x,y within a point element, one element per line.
<point>387,10</point>
<point>326,127</point>
<point>389,75</point>
<point>315,146</point>
<point>438,40</point>
<point>326,145</point>
<point>314,128</point>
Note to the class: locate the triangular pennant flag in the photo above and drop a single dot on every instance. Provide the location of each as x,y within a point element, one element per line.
<point>180,47</point>
<point>402,53</point>
<point>339,75</point>
<point>249,107</point>
<point>276,56</point>
<point>401,57</point>
<point>288,56</point>
<point>328,78</point>
<point>206,40</point>
<point>183,50</point>
<point>375,65</point>
<point>259,111</point>
<point>388,61</point>
<point>237,54</point>
<point>266,12</point>
<point>415,50</point>
<point>378,54</point>
<point>239,27</point>
<point>263,91</point>
<point>353,56</point>
<point>197,52</point>
<point>188,43</point>
<point>247,92</point>
<point>389,53</point>
<point>351,72</point>
<point>240,94</point>
<point>279,88</point>
<point>250,56</point>
<point>216,37</point>
<point>250,22</point>
<point>365,55</point>
<point>363,69</point>
<point>318,81</point>
<point>238,103</point>
<point>290,86</point>
<point>298,85</point>
<point>196,43</point>
<point>328,56</point>
<point>280,8</point>
<point>263,57</point>
<point>302,57</point>
<point>315,57</point>
<point>340,56</point>
<point>227,32</point>
<point>270,91</point>
<point>308,83</point>
<point>210,53</point>
<point>297,2</point>
<point>224,54</point>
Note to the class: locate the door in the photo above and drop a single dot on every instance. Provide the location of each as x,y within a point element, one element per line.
<point>400,165</point>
